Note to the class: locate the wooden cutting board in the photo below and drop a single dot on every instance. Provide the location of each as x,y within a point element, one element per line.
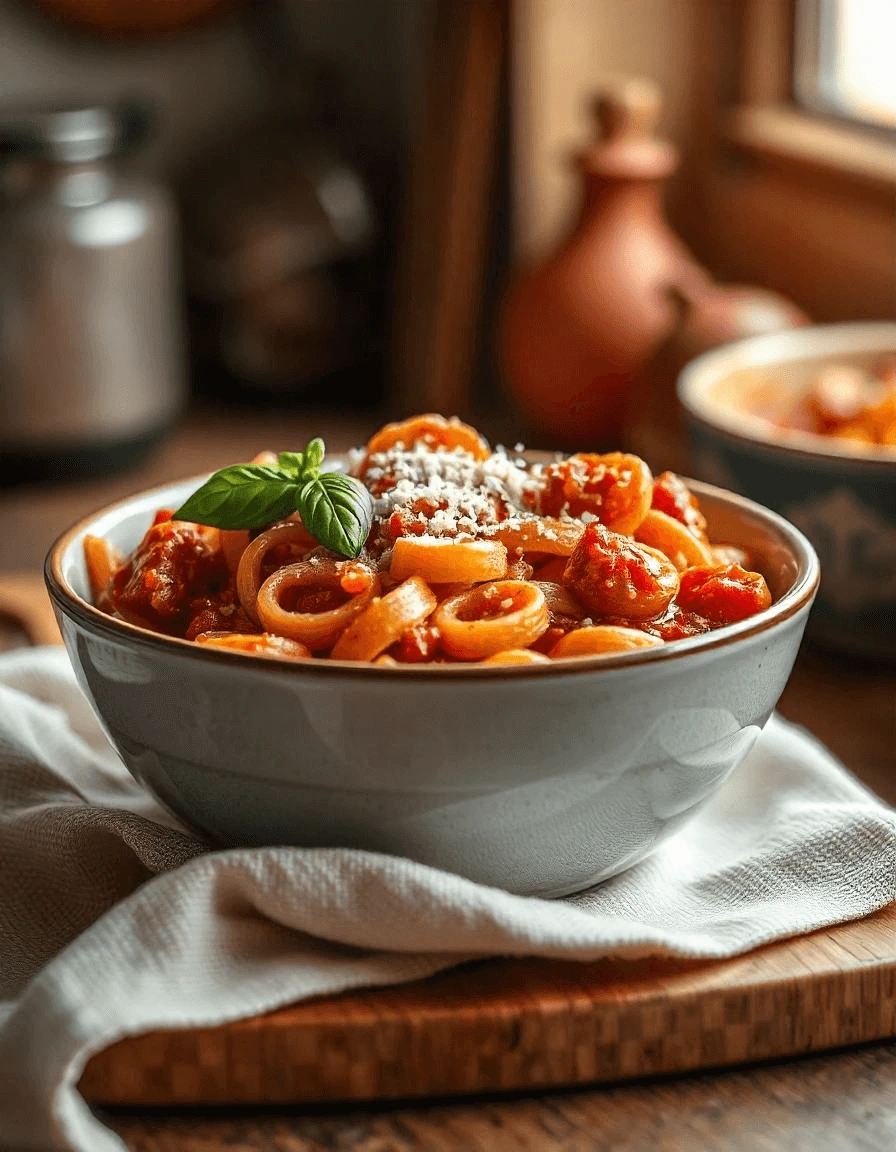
<point>513,1024</point>
<point>525,1024</point>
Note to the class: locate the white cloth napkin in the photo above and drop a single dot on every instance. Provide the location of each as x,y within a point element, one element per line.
<point>114,921</point>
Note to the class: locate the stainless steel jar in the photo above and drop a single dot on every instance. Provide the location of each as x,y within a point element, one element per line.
<point>91,361</point>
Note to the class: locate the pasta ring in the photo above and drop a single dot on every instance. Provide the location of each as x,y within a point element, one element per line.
<point>435,431</point>
<point>444,560</point>
<point>616,488</point>
<point>492,618</point>
<point>319,630</point>
<point>555,537</point>
<point>101,560</point>
<point>602,640</point>
<point>264,644</point>
<point>517,656</point>
<point>248,573</point>
<point>383,622</point>
<point>672,538</point>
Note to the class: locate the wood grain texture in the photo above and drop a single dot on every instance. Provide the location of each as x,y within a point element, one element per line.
<point>833,1103</point>
<point>526,1024</point>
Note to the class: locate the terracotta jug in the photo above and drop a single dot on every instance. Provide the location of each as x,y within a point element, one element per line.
<point>578,329</point>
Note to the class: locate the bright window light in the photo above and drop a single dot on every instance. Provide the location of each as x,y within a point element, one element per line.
<point>846,58</point>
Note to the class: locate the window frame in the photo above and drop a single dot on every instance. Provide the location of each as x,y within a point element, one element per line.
<point>782,196</point>
<point>767,120</point>
<point>814,23</point>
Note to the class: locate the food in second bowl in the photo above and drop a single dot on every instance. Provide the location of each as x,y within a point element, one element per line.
<point>433,549</point>
<point>843,401</point>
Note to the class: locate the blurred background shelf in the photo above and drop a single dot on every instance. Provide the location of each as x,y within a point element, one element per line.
<point>458,122</point>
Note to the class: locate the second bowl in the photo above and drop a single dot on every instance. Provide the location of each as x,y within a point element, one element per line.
<point>841,494</point>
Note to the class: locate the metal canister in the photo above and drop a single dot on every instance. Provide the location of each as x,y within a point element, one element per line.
<point>91,356</point>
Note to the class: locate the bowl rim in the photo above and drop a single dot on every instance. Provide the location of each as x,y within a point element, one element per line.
<point>780,349</point>
<point>797,598</point>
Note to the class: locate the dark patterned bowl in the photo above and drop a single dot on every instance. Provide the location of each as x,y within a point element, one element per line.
<point>842,496</point>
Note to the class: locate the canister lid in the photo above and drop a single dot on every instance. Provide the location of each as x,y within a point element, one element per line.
<point>75,134</point>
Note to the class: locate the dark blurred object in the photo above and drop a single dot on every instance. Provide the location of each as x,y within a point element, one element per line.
<point>91,367</point>
<point>452,218</point>
<point>280,235</point>
<point>724,312</point>
<point>713,315</point>
<point>580,331</point>
<point>277,261</point>
<point>134,18</point>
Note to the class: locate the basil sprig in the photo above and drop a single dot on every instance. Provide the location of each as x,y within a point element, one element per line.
<point>336,509</point>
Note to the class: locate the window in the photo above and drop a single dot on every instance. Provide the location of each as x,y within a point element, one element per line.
<point>799,194</point>
<point>845,62</point>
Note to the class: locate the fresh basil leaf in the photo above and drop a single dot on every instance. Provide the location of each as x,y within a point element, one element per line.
<point>338,511</point>
<point>242,496</point>
<point>291,464</point>
<point>313,457</point>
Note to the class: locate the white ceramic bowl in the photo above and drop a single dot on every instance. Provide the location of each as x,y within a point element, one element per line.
<point>841,494</point>
<point>541,779</point>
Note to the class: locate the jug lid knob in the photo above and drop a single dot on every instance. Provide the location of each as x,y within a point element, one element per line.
<point>626,112</point>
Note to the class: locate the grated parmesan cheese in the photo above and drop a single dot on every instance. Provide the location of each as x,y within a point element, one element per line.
<point>450,493</point>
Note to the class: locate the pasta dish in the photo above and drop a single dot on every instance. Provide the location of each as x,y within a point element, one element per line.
<point>432,548</point>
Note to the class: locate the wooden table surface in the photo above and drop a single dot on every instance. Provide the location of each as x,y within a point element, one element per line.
<point>840,1102</point>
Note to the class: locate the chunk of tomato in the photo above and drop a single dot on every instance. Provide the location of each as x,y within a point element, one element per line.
<point>723,595</point>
